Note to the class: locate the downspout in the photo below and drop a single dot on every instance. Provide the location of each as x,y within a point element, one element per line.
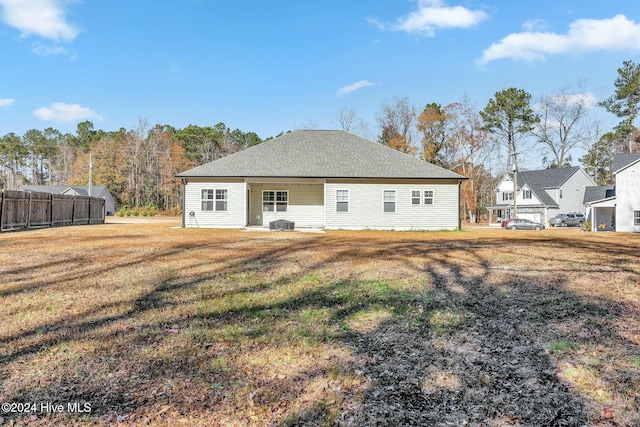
<point>184,183</point>
<point>459,206</point>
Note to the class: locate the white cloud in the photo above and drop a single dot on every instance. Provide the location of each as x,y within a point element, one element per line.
<point>44,50</point>
<point>617,33</point>
<point>434,15</point>
<point>353,87</point>
<point>6,102</point>
<point>535,25</point>
<point>44,18</point>
<point>61,112</point>
<point>586,99</point>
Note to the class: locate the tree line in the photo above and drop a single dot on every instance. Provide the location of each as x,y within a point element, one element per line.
<point>139,165</point>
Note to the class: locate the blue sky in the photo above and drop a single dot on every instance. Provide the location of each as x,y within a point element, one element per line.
<point>272,66</point>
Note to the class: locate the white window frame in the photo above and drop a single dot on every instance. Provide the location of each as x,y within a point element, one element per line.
<point>395,201</point>
<point>636,218</point>
<point>507,195</point>
<point>212,198</point>
<point>432,197</point>
<point>275,201</point>
<point>414,197</point>
<point>347,201</point>
<point>224,200</point>
<point>526,194</point>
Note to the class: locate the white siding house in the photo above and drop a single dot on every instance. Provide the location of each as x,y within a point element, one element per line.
<point>321,179</point>
<point>628,198</point>
<point>540,194</point>
<point>618,207</point>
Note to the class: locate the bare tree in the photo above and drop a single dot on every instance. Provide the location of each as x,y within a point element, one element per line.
<point>397,125</point>
<point>563,124</point>
<point>346,118</point>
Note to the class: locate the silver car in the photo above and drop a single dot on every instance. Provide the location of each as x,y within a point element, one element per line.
<point>524,224</point>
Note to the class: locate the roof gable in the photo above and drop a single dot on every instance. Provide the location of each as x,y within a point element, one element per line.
<point>547,178</point>
<point>598,192</point>
<point>623,160</point>
<point>320,154</point>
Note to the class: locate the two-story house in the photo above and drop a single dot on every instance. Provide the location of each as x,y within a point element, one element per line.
<point>617,207</point>
<point>540,194</point>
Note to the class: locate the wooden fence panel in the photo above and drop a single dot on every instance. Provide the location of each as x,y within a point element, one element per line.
<point>40,209</point>
<point>29,209</point>
<point>81,210</point>
<point>62,210</point>
<point>97,211</point>
<point>15,210</point>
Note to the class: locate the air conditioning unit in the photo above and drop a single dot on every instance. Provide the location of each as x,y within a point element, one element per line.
<point>282,225</point>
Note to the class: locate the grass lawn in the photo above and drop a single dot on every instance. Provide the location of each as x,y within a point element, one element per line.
<point>148,324</point>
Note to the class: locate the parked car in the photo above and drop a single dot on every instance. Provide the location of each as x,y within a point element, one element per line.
<point>567,220</point>
<point>524,224</point>
<point>504,222</point>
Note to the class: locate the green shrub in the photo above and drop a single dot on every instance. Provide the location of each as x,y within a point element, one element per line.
<point>586,226</point>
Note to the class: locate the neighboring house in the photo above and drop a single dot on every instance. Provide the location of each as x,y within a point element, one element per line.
<point>617,207</point>
<point>77,190</point>
<point>321,178</point>
<point>541,194</point>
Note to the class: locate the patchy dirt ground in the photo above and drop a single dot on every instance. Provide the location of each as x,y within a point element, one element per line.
<point>148,324</point>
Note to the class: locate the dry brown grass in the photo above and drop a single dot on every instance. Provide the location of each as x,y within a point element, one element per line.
<point>157,325</point>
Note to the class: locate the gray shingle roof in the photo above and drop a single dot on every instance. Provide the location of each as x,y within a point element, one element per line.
<point>598,192</point>
<point>539,180</point>
<point>622,160</point>
<point>320,154</point>
<point>58,189</point>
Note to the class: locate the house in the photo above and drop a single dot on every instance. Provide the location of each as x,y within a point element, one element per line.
<point>321,178</point>
<point>77,190</point>
<point>540,194</point>
<point>617,207</point>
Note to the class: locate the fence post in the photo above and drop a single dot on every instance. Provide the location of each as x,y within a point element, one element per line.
<point>51,209</point>
<point>1,210</point>
<point>29,210</point>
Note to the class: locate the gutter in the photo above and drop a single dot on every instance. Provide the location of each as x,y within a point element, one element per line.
<point>184,183</point>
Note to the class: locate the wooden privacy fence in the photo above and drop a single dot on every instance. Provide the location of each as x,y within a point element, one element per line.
<point>33,209</point>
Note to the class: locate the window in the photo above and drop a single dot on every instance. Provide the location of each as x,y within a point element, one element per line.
<point>507,195</point>
<point>214,199</point>
<point>275,201</point>
<point>561,194</point>
<point>221,199</point>
<point>207,199</point>
<point>342,200</point>
<point>415,197</point>
<point>389,200</point>
<point>428,197</point>
<point>636,217</point>
<point>526,194</point>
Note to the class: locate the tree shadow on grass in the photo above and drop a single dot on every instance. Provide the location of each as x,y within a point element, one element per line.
<point>457,346</point>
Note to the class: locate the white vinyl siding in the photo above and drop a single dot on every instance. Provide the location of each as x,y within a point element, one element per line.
<point>225,204</point>
<point>628,199</point>
<point>366,197</point>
